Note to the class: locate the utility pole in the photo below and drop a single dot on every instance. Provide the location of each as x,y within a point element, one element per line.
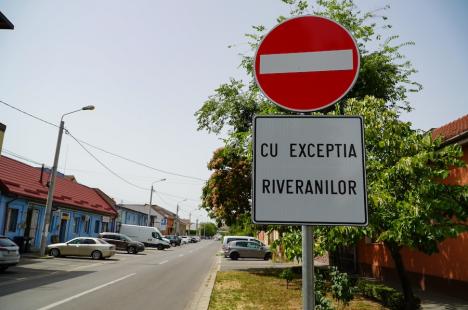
<point>196,228</point>
<point>53,174</point>
<point>149,207</point>
<point>151,200</point>
<point>177,220</point>
<point>189,223</point>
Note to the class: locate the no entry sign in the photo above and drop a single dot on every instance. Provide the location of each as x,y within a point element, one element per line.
<point>307,63</point>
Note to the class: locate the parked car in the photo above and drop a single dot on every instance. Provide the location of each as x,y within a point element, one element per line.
<point>122,242</point>
<point>228,239</point>
<point>9,253</point>
<point>185,239</point>
<point>247,249</point>
<point>150,236</point>
<point>174,240</point>
<point>82,246</point>
<point>193,239</point>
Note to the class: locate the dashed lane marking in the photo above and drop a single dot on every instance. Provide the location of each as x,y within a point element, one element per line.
<point>58,303</point>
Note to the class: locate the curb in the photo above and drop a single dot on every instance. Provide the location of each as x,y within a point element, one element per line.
<point>203,295</point>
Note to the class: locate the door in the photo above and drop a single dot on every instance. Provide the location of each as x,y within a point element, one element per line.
<point>30,230</point>
<point>63,230</point>
<point>254,250</point>
<point>71,248</point>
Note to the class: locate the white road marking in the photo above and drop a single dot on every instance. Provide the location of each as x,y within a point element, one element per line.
<point>163,262</point>
<point>306,62</point>
<point>58,303</point>
<point>180,255</point>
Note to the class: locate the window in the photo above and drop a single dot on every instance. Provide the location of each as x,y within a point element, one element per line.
<point>155,235</point>
<point>88,241</point>
<point>105,226</point>
<point>6,242</point>
<point>96,226</point>
<point>86,226</point>
<point>77,225</point>
<point>253,245</point>
<point>12,219</point>
<point>74,241</point>
<point>242,244</point>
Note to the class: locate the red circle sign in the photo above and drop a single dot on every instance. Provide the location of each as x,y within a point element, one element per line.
<point>306,63</point>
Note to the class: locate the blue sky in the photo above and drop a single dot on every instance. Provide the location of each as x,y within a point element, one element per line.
<point>148,66</point>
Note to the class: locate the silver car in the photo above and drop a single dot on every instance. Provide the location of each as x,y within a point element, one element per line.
<point>247,249</point>
<point>9,253</point>
<point>82,246</point>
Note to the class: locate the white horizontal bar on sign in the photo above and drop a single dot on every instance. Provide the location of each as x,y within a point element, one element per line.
<point>306,62</point>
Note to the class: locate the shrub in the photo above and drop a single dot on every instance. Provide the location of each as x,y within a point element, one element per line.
<point>387,296</point>
<point>286,274</point>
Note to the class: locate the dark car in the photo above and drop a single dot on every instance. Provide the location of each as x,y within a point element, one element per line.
<point>122,242</point>
<point>174,240</point>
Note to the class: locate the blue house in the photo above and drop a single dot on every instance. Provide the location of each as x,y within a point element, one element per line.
<point>77,210</point>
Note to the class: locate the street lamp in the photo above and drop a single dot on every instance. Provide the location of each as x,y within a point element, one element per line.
<point>50,194</point>
<point>151,200</point>
<point>177,216</point>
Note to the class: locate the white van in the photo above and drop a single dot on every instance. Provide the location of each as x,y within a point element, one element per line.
<point>150,236</point>
<point>228,239</point>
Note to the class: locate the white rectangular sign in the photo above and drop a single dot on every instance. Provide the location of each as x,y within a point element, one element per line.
<point>309,170</point>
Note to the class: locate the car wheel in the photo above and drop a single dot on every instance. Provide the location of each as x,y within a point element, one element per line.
<point>234,256</point>
<point>55,252</point>
<point>160,247</point>
<point>96,255</point>
<point>267,256</point>
<point>132,250</point>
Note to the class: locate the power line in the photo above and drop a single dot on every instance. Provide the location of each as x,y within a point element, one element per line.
<point>105,166</point>
<point>143,164</point>
<point>29,114</point>
<point>105,151</point>
<point>22,157</point>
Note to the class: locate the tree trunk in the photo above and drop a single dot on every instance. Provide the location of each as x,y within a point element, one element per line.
<point>410,301</point>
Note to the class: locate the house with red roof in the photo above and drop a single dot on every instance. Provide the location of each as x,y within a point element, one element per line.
<point>78,210</point>
<point>444,271</point>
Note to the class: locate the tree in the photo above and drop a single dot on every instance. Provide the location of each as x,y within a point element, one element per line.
<point>208,229</point>
<point>224,195</point>
<point>384,74</point>
<point>408,203</point>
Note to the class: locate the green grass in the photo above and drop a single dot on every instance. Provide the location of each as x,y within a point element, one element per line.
<point>262,289</point>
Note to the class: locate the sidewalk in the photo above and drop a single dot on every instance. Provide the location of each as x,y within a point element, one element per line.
<point>429,300</point>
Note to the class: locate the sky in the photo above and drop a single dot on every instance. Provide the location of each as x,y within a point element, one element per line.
<point>148,66</point>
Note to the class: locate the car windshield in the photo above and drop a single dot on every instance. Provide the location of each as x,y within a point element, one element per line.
<point>6,242</point>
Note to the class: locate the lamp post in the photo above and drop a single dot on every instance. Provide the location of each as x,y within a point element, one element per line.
<point>151,199</point>
<point>50,194</point>
<point>177,217</point>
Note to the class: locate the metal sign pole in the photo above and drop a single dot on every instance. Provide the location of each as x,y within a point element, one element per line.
<point>308,292</point>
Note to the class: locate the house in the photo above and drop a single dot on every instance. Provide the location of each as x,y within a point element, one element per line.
<point>447,270</point>
<point>137,214</point>
<point>133,214</point>
<point>168,222</point>
<point>77,210</point>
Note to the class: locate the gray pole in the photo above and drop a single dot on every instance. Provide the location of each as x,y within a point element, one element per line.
<point>177,220</point>
<point>149,209</point>
<point>50,195</point>
<point>308,292</point>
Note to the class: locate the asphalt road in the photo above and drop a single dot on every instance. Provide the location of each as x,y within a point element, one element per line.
<point>153,279</point>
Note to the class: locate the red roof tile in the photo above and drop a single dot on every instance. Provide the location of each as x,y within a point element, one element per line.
<point>24,180</point>
<point>452,129</point>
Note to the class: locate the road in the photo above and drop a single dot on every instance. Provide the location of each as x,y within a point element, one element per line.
<point>153,279</point>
